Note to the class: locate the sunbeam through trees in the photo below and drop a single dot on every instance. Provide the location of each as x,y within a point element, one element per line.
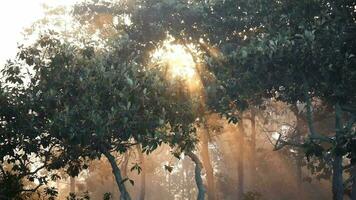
<point>178,100</point>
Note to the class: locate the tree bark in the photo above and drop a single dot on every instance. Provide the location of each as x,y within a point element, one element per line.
<point>198,178</point>
<point>143,174</point>
<point>337,179</point>
<point>299,157</point>
<point>184,179</point>
<point>169,184</point>
<point>299,174</point>
<point>253,148</point>
<point>58,189</point>
<point>353,186</point>
<point>207,164</point>
<point>72,185</point>
<point>118,178</point>
<point>337,182</point>
<point>240,161</point>
<point>125,163</point>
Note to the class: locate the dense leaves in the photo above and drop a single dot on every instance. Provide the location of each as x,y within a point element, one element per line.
<point>80,100</point>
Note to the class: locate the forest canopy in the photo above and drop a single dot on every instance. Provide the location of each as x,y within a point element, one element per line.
<point>182,99</point>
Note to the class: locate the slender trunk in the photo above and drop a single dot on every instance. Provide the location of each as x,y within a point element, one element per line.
<point>58,189</point>
<point>124,164</point>
<point>337,179</point>
<point>113,187</point>
<point>337,183</point>
<point>253,148</point>
<point>299,174</point>
<point>169,184</point>
<point>72,185</point>
<point>207,164</point>
<point>198,178</point>
<point>353,186</point>
<point>183,183</point>
<point>299,157</point>
<point>118,178</point>
<point>240,162</point>
<point>143,174</point>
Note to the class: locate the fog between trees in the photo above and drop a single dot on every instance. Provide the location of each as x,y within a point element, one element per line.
<point>168,99</point>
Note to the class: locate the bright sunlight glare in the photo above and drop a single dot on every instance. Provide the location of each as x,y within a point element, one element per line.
<point>180,63</point>
<point>15,15</point>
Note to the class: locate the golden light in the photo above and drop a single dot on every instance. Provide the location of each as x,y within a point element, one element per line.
<point>178,63</point>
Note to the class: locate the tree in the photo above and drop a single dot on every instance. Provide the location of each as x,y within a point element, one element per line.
<point>296,35</point>
<point>143,173</point>
<point>95,102</point>
<point>257,40</point>
<point>23,142</point>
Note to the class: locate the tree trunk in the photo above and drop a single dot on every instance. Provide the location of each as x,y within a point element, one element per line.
<point>337,182</point>
<point>183,182</point>
<point>207,164</point>
<point>125,163</point>
<point>198,178</point>
<point>143,174</point>
<point>118,178</point>
<point>299,174</point>
<point>169,184</point>
<point>58,189</point>
<point>253,148</point>
<point>337,179</point>
<point>299,157</point>
<point>72,185</point>
<point>184,177</point>
<point>240,161</point>
<point>353,186</point>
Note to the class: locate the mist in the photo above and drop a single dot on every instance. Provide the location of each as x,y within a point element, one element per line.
<point>178,100</point>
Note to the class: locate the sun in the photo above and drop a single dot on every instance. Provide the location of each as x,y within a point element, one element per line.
<point>180,63</point>
<point>177,61</point>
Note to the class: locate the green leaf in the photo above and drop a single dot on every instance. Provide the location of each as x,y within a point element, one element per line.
<point>168,168</point>
<point>136,167</point>
<point>132,182</point>
<point>129,81</point>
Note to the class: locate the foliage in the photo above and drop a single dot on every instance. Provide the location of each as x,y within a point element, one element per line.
<point>80,100</point>
<point>89,101</point>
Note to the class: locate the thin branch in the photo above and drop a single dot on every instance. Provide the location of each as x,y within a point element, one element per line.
<point>314,135</point>
<point>282,143</point>
<point>350,123</point>
<point>349,109</point>
<point>31,190</point>
<point>34,172</point>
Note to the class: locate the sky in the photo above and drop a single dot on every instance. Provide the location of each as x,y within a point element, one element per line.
<point>15,15</point>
